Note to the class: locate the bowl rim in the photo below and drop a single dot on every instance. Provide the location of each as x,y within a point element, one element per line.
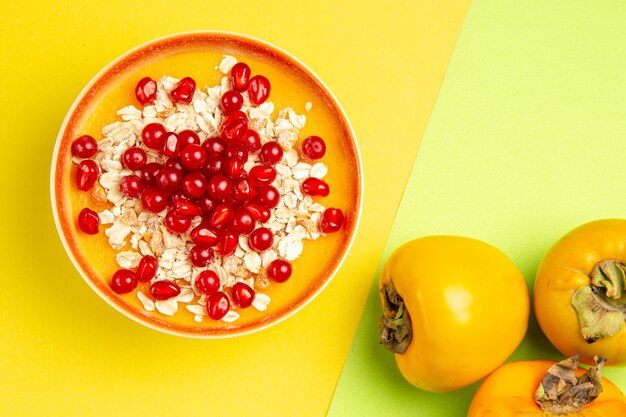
<point>308,297</point>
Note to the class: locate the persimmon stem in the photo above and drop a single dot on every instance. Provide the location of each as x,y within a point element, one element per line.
<point>601,306</point>
<point>394,326</point>
<point>561,392</point>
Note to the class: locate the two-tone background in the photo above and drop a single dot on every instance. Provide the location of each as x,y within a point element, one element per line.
<point>518,110</point>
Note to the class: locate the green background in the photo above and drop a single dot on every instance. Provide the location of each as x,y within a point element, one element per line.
<point>527,141</point>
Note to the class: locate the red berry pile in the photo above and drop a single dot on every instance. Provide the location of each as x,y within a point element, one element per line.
<point>209,180</point>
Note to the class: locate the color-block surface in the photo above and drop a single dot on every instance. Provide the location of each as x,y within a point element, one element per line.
<point>63,351</point>
<point>526,141</point>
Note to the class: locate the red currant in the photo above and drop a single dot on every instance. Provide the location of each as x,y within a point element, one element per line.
<point>231,101</point>
<point>149,173</point>
<point>279,270</point>
<point>124,281</point>
<point>134,158</point>
<point>88,221</point>
<point>131,186</point>
<point>206,204</point>
<point>214,146</point>
<point>313,147</point>
<point>169,179</point>
<point>153,135</point>
<point>271,153</point>
<point>194,184</point>
<point>188,137</point>
<point>200,256</point>
<point>84,147</point>
<point>207,282</point>
<point>154,200</point>
<point>242,222</point>
<point>176,223</point>
<point>219,187</point>
<point>261,239</point>
<point>268,196</point>
<point>251,141</point>
<point>193,157</point>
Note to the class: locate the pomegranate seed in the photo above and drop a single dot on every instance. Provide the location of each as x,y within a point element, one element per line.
<point>147,268</point>
<point>279,270</point>
<point>149,173</point>
<point>124,281</point>
<point>169,179</point>
<point>221,216</point>
<point>271,153</point>
<point>200,256</point>
<point>193,157</point>
<point>214,166</point>
<point>188,137</point>
<point>171,145</point>
<point>134,158</point>
<point>251,141</point>
<point>261,239</point>
<point>153,136</point>
<point>268,196</point>
<point>217,305</point>
<point>242,190</point>
<point>207,282</point>
<point>184,90</point>
<point>154,200</point>
<point>262,175</point>
<point>164,290</point>
<point>219,187</point>
<point>258,211</point>
<point>88,221</point>
<point>214,146</point>
<point>176,223</point>
<point>177,195</point>
<point>146,91</point>
<point>234,126</point>
<point>206,204</point>
<point>194,184</point>
<point>184,207</point>
<point>84,147</point>
<point>131,186</point>
<point>243,295</point>
<point>259,89</point>
<point>233,167</point>
<point>240,76</point>
<point>242,222</point>
<point>231,101</point>
<point>315,186</point>
<point>227,243</point>
<point>236,151</point>
<point>204,236</point>
<point>331,220</point>
<point>87,174</point>
<point>313,147</point>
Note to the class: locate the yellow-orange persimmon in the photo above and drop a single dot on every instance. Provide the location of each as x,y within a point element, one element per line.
<point>454,308</point>
<point>580,294</point>
<point>521,389</point>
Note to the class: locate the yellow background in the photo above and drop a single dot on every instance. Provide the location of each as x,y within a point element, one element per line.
<point>63,351</point>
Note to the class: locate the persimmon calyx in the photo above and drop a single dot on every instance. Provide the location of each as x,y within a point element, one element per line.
<point>394,326</point>
<point>601,306</point>
<point>561,392</point>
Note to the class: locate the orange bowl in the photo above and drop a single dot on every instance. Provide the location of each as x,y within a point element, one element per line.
<point>193,53</point>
